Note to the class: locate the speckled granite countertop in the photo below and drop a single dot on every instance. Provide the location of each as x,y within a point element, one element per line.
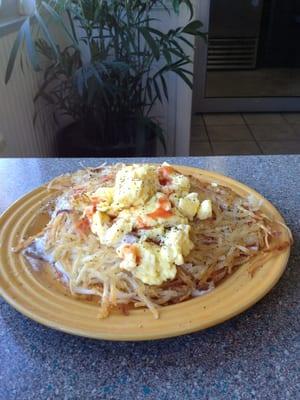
<point>253,356</point>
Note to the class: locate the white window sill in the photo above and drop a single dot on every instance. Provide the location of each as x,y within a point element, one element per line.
<point>9,25</point>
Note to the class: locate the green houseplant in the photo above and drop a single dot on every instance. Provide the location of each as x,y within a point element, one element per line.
<point>110,71</point>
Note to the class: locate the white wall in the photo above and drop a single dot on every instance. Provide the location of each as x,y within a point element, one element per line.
<point>184,96</point>
<point>175,116</point>
<point>17,109</point>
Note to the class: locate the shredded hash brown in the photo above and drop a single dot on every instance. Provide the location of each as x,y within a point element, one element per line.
<point>237,233</point>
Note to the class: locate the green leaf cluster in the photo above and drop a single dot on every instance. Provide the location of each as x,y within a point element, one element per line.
<point>115,63</point>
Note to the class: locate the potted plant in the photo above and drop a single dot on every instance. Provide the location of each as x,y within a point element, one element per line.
<point>108,74</point>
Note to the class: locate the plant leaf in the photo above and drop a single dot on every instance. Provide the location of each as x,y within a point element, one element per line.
<point>193,27</point>
<point>177,53</point>
<point>176,5</point>
<point>191,45</point>
<point>167,55</point>
<point>149,89</point>
<point>186,71</point>
<point>184,77</point>
<point>43,87</point>
<point>164,86</point>
<point>177,45</point>
<point>47,34</point>
<point>30,45</point>
<point>157,90</point>
<point>156,32</point>
<point>151,42</point>
<point>47,98</point>
<point>13,54</point>
<point>190,7</point>
<point>159,133</point>
<point>58,19</point>
<point>21,64</point>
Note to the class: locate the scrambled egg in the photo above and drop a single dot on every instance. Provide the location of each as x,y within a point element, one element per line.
<point>134,185</point>
<point>177,244</point>
<point>189,205</point>
<point>145,217</point>
<point>205,210</point>
<point>180,184</point>
<point>100,222</point>
<point>104,197</point>
<point>154,264</point>
<point>149,269</point>
<point>154,268</point>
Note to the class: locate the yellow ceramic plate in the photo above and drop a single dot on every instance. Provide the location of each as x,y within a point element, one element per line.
<point>39,298</point>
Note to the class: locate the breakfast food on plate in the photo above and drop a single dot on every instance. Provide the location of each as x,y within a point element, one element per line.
<point>147,235</point>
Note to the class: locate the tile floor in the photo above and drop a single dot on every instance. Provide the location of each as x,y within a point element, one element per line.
<point>246,133</point>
